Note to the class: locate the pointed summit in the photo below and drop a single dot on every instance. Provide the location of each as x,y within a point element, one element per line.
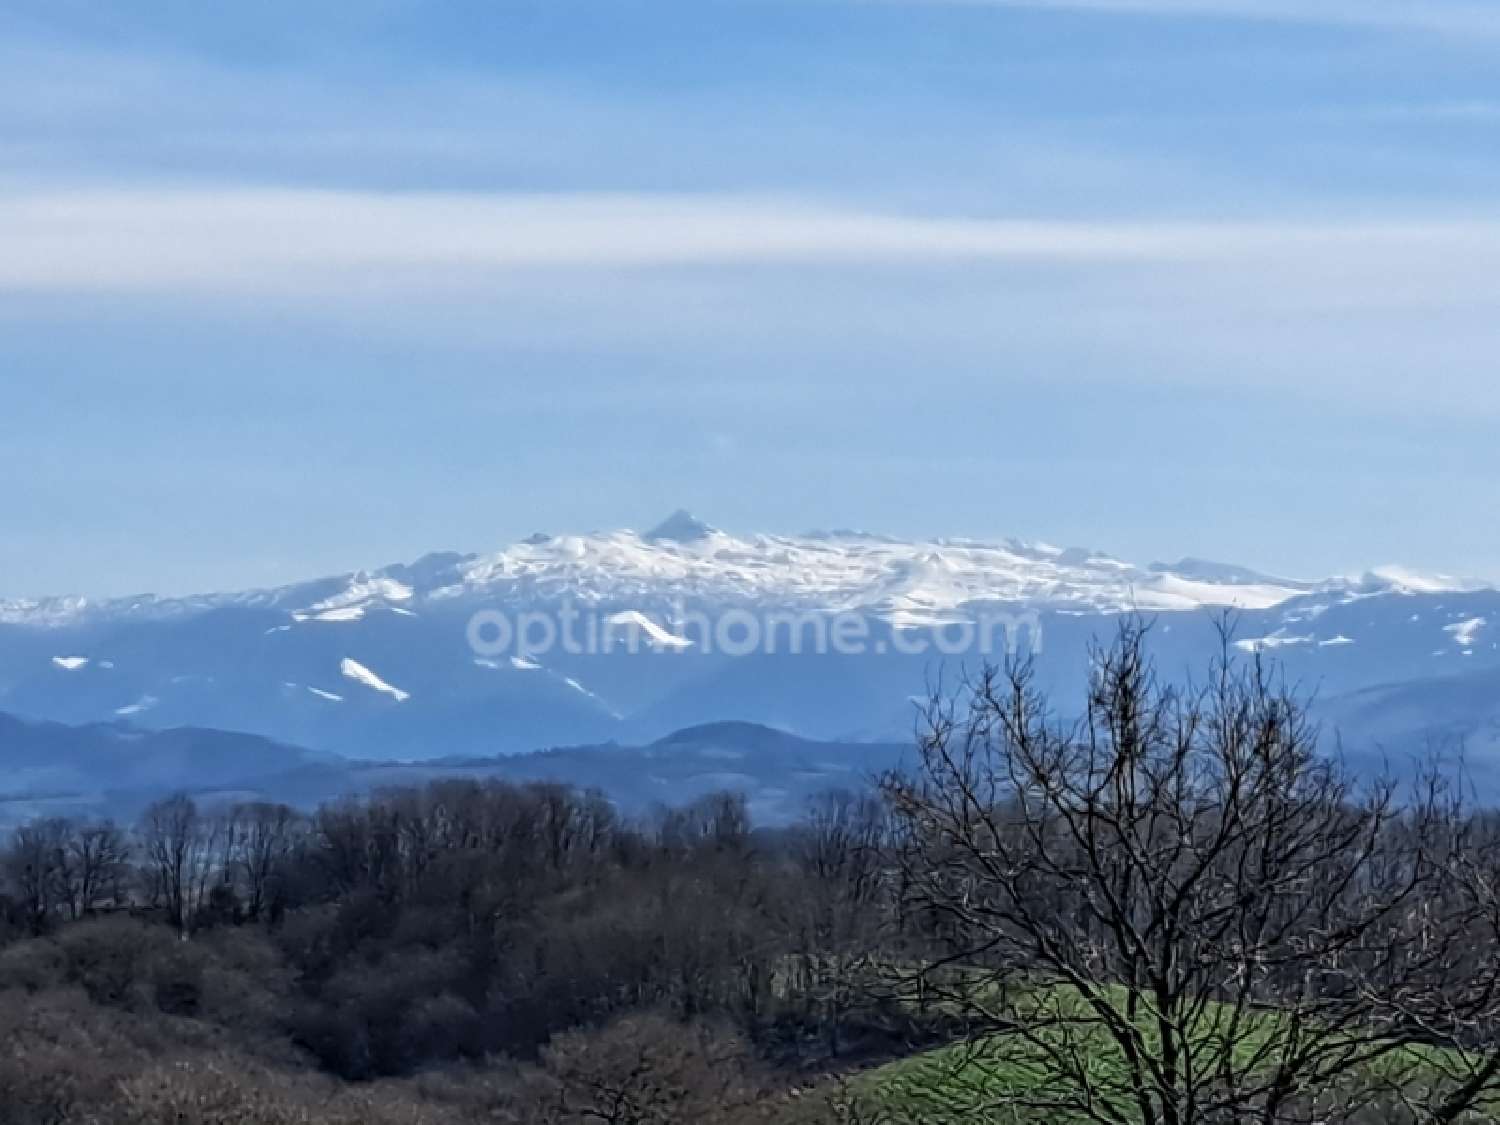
<point>680,527</point>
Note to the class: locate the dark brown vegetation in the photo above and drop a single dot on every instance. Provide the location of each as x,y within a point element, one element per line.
<point>1170,911</point>
<point>376,960</point>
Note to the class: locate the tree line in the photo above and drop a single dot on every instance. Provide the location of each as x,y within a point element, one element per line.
<point>469,918</point>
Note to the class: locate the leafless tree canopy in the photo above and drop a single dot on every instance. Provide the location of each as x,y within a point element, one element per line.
<point>1174,910</point>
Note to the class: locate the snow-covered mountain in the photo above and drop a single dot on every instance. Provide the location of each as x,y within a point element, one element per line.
<point>380,662</point>
<point>686,559</point>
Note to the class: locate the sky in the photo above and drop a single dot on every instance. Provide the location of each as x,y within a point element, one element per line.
<point>292,289</point>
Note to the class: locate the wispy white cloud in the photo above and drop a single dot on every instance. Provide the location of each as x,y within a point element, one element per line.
<point>1447,17</point>
<point>253,240</point>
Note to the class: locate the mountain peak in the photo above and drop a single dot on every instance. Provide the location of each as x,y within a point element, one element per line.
<point>680,527</point>
<point>1217,573</point>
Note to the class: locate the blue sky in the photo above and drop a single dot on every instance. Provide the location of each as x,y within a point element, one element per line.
<point>288,289</point>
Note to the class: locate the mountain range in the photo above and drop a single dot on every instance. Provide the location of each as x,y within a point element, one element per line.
<point>380,665</point>
<point>116,769</point>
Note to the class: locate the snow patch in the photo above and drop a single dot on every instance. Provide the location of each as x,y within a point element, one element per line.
<point>1415,582</point>
<point>366,589</point>
<point>659,637</point>
<point>354,670</point>
<point>345,613</point>
<point>363,593</point>
<point>578,687</point>
<point>520,663</point>
<point>1464,633</point>
<point>1169,592</point>
<point>1275,641</point>
<point>144,703</point>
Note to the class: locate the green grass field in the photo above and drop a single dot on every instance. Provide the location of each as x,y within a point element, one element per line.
<point>989,1083</point>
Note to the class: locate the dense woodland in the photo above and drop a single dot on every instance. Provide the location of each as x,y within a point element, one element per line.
<point>1168,910</point>
<point>434,932</point>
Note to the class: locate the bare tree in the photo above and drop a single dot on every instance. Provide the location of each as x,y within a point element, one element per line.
<point>179,846</point>
<point>265,838</point>
<point>96,861</point>
<point>1447,967</point>
<point>1175,911</point>
<point>842,851</point>
<point>646,1070</point>
<point>35,866</point>
<point>716,820</point>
